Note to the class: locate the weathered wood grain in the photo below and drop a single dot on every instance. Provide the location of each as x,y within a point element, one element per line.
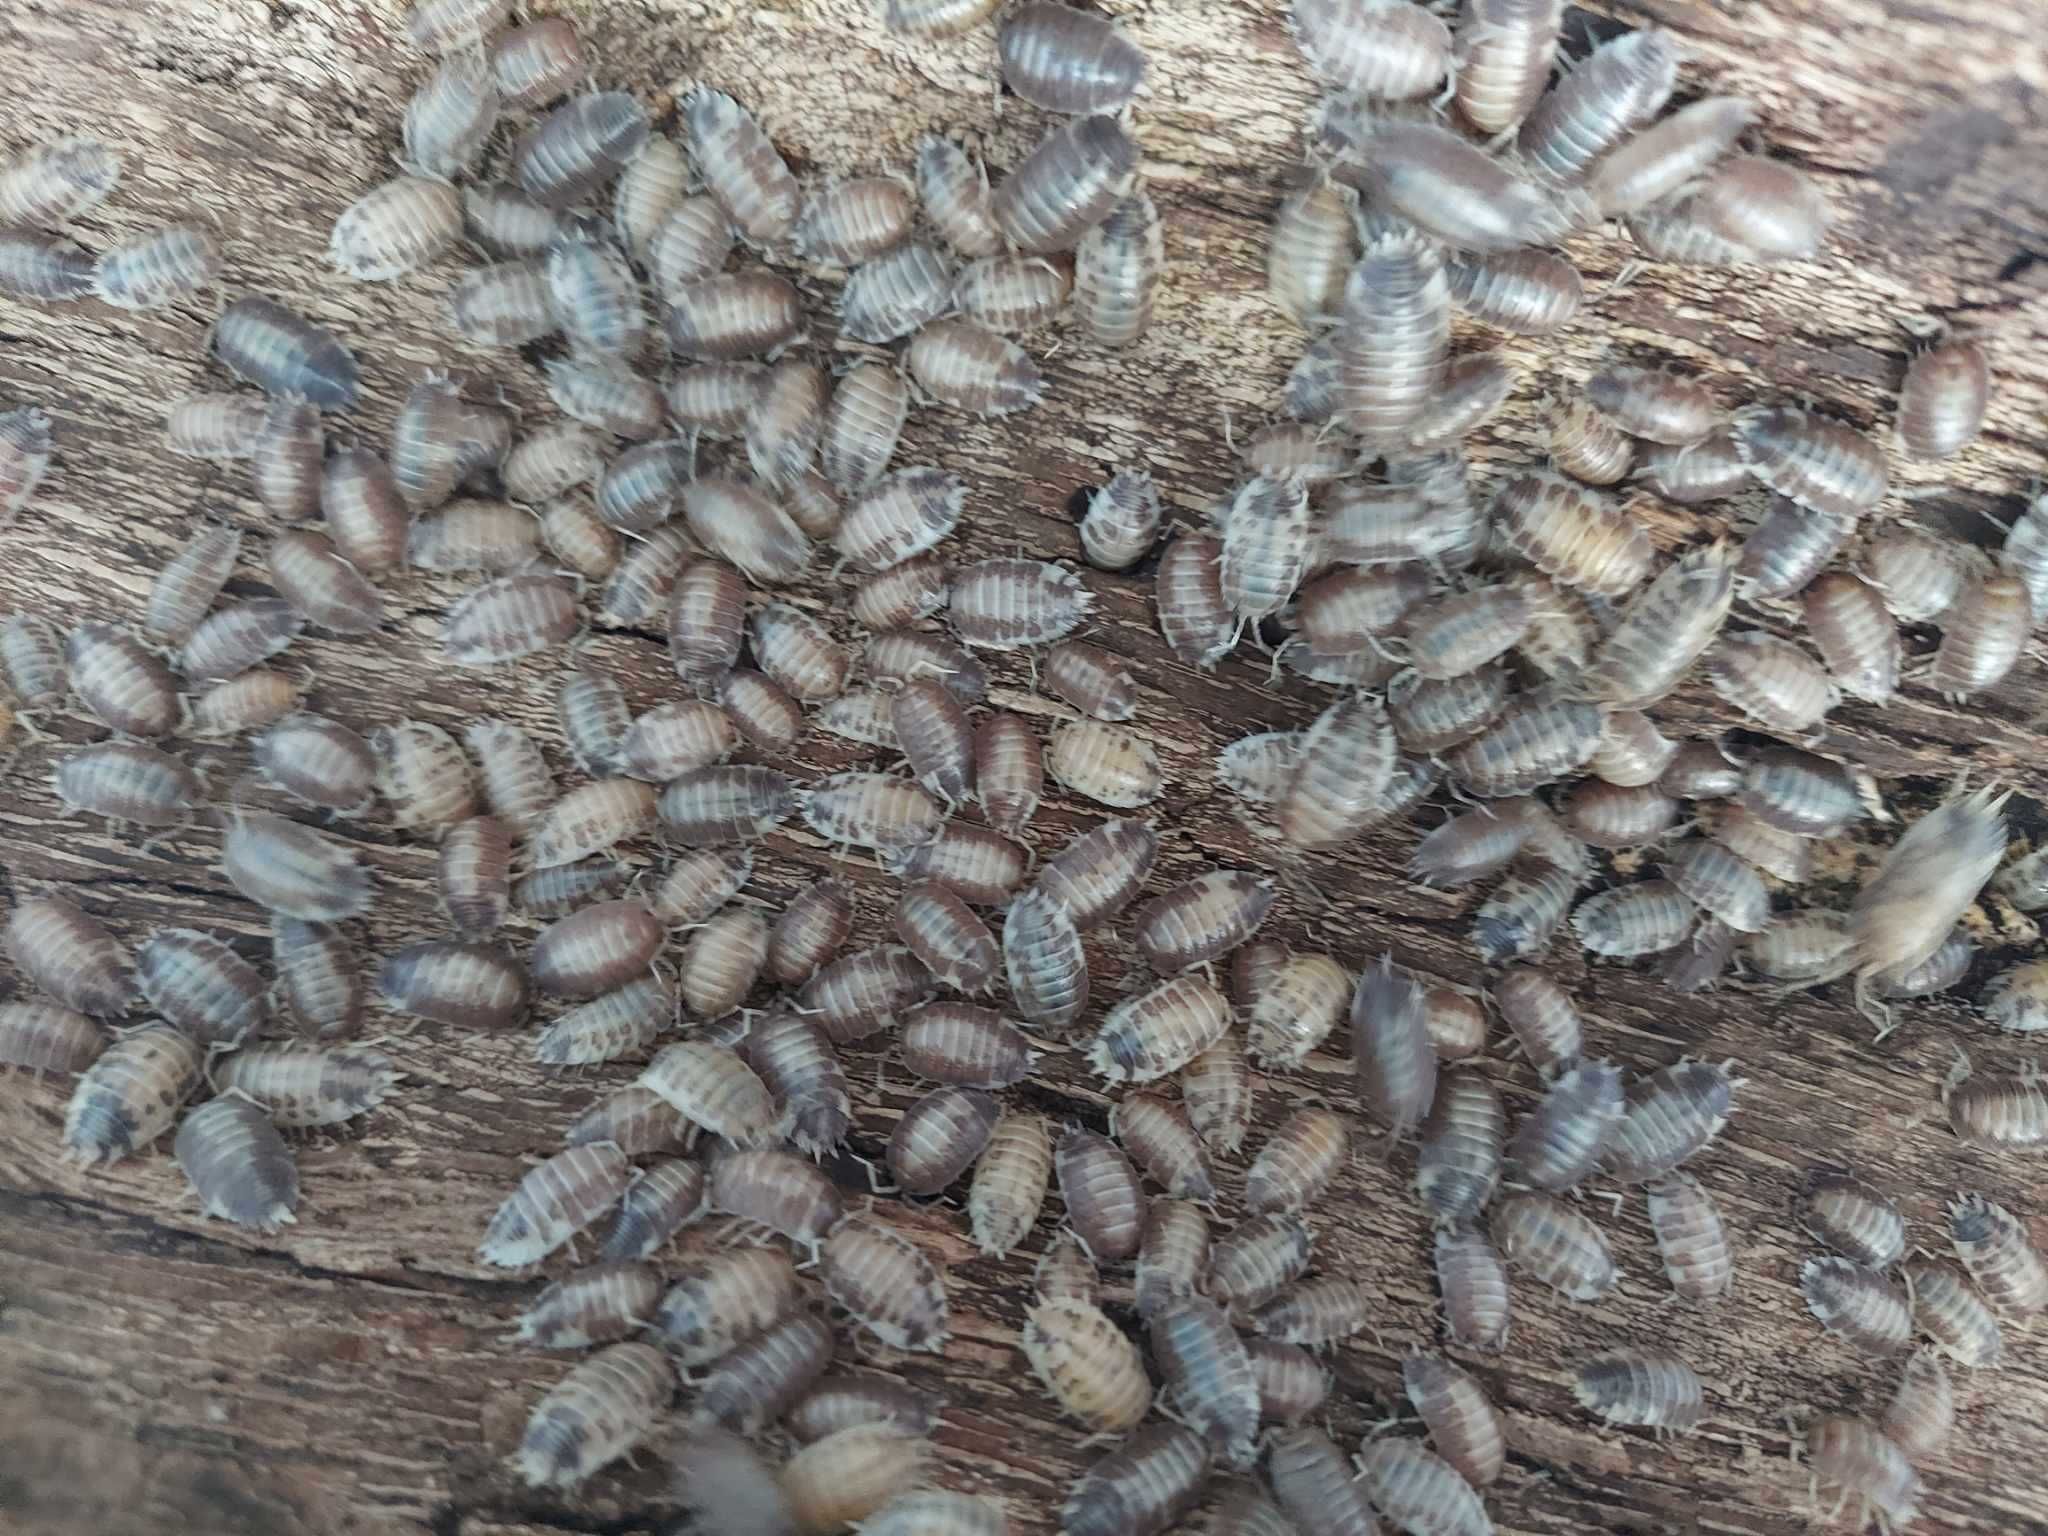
<point>352,1374</point>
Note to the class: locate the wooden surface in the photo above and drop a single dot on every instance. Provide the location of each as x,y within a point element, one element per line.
<point>353,1375</point>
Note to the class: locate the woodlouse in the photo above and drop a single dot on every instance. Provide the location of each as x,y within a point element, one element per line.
<point>1664,629</point>
<point>282,353</point>
<point>1208,1374</point>
<point>1653,1388</point>
<point>71,956</point>
<point>1993,618</point>
<point>1393,339</point>
<point>1943,399</point>
<point>130,1094</point>
<point>940,1137</point>
<point>1458,1164</point>
<point>1662,159</point>
<point>1904,913</point>
<point>157,268</point>
<point>974,369</point>
<point>1067,60</point>
<point>860,1397</point>
<point>980,866</point>
<point>1103,1194</point>
<point>1994,1247</point>
<point>1690,1238</point>
<point>1859,1304</point>
<point>1392,1057</point>
<point>394,228</point>
<point>721,1300</point>
<point>887,1283</point>
<point>1087,1363</point>
<point>1316,1486</point>
<point>852,1473</point>
<point>198,984</point>
<point>1542,736</point>
<point>554,1201</point>
<point>1673,1114</point>
<point>423,776</point>
<point>596,949</point>
<point>1854,1455</point>
<point>462,985</point>
<point>1295,1010</point>
<point>578,146</point>
<point>1622,84</point>
<point>1572,534</point>
<point>1066,186</point>
<point>1118,266</point>
<point>303,1086</point>
<point>1010,1183</point>
<point>1297,1163</point>
<point>1505,49</point>
<point>1560,1141</point>
<point>127,782</point>
<point>596,1305</point>
<point>1157,1032</point>
<point>1142,1487</point>
<point>1474,1282</point>
<point>1853,1217</point>
<point>1556,1244</point>
<point>752,1385</point>
<point>1325,1310</point>
<point>597,1413</point>
<point>325,590</point>
<point>732,316</point>
<point>238,1164</point>
<point>1105,763</point>
<point>1922,1413</point>
<point>123,683</point>
<point>1346,764</point>
<point>1949,1312</point>
<point>1172,1257</point>
<point>44,1037</point>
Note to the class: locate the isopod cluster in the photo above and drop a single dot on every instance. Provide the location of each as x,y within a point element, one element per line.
<point>1086,1003</point>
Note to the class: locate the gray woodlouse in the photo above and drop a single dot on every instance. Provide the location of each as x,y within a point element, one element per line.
<point>71,956</point>
<point>783,430</point>
<point>1208,1375</point>
<point>862,424</point>
<point>1505,49</point>
<point>1649,1387</point>
<point>1067,60</point>
<point>1853,1454</point>
<point>1458,1164</point>
<point>980,866</point>
<point>1068,184</point>
<point>1542,736</point>
<point>955,1042</point>
<point>1811,461</point>
<point>1201,918</point>
<point>214,425</point>
<point>1904,913</point>
<point>1853,1217</point>
<point>1560,1141</point>
<point>462,985</point>
<point>449,119</point>
<point>740,166</point>
<point>1311,250</point>
<point>1922,1413</point>
<point>578,146</point>
<point>861,1397</point>
<point>1673,1114</point>
<point>1325,1310</point>
<point>940,1137</point>
<point>1393,339</point>
<point>810,931</point>
<point>597,390</point>
<point>554,1201</point>
<point>235,638</point>
<point>316,967</point>
<point>1624,83</point>
<point>650,187</point>
<point>515,779</point>
<point>394,228</point>
<point>1525,911</point>
<point>1316,1486</point>
<point>1653,405</point>
<point>1474,1282</point>
<point>1543,1018</point>
<point>1258,1259</point>
<point>1994,1247</point>
<point>798,653</point>
<point>1462,1421</point>
<point>1720,884</point>
<point>1985,640</point>
<point>594,950</point>
<point>1572,534</point>
<point>1346,764</point>
<point>1690,1238</point>
<point>864,992</point>
<point>1297,1163</point>
<point>1556,1244</point>
<point>596,1305</point>
<point>1010,1183</point>
<point>1141,1488</point>
<point>1664,629</point>
<point>1847,619</point>
<point>1949,1312</point>
<point>1392,1057</point>
<point>595,817</point>
<point>776,1190</point>
<point>1616,816</point>
<point>127,782</point>
<point>868,810</point>
<point>945,935</point>
<point>1092,1370</point>
<point>1172,1258</point>
<point>887,1283</point>
<point>282,353</point>
<point>852,1473</point>
<point>55,181</point>
<point>752,1385</point>
<point>308,1086</point>
<point>742,524</point>
<point>673,738</point>
<point>847,222</point>
<point>1157,1032</point>
<point>732,316</point>
<point>936,737</point>
<point>238,1164</point>
<point>764,714</point>
<point>1268,542</point>
<point>599,1412</point>
<point>44,1037</point>
<point>1294,1010</point>
<point>120,681</point>
<point>1105,763</point>
<point>895,294</point>
<point>423,776</point>
<point>366,514</point>
<point>157,268</point>
<point>321,586</point>
<point>1943,399</point>
<point>1449,188</point>
<point>130,1094</point>
<point>974,369</point>
<point>722,961</point>
<point>1394,52</point>
<point>1104,1196</point>
<point>1660,160</point>
<point>1118,266</point>
<point>537,61</point>
<point>796,1061</point>
<point>1859,1304</point>
<point>955,192</point>
<point>198,984</point>
<point>476,874</point>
